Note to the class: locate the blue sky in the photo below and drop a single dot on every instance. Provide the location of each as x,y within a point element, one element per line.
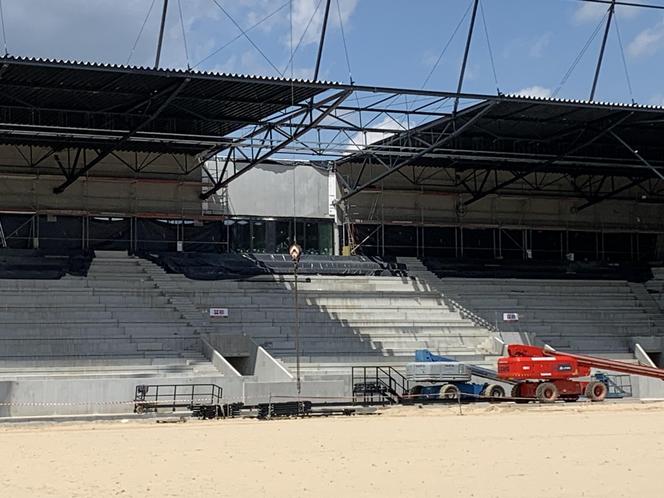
<point>390,43</point>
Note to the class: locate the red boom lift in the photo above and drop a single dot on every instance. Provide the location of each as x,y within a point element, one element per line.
<point>547,375</point>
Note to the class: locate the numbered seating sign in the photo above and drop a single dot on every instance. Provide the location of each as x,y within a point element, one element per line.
<point>218,312</point>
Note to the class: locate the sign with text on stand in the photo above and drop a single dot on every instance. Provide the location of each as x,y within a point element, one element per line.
<point>218,312</point>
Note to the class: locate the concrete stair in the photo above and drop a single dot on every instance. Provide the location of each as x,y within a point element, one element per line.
<point>589,316</point>
<point>114,322</point>
<point>344,321</point>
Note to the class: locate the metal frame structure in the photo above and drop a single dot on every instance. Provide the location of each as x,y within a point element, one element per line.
<point>474,145</point>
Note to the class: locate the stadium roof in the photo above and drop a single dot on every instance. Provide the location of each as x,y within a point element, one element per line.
<point>74,104</point>
<point>523,135</point>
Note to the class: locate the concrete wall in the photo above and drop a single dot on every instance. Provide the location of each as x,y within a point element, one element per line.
<point>438,197</point>
<point>84,396</point>
<point>276,190</point>
<point>435,208</point>
<point>111,187</point>
<point>258,363</point>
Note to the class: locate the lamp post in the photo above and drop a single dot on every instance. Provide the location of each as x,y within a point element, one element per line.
<point>295,252</point>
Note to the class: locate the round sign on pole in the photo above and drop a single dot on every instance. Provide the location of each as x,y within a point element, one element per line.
<point>295,252</point>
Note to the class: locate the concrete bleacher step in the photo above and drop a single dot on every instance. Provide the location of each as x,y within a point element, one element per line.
<point>585,315</point>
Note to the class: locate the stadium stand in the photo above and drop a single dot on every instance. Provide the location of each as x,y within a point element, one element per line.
<point>112,322</point>
<point>590,316</point>
<point>344,320</point>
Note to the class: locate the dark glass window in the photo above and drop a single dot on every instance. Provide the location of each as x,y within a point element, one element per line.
<point>240,236</point>
<point>258,236</point>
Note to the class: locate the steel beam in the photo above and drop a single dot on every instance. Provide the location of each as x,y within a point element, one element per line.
<point>612,8</point>
<point>562,156</point>
<point>610,195</point>
<point>322,39</point>
<point>282,121</point>
<point>161,34</point>
<point>341,97</point>
<point>462,73</point>
<point>415,157</point>
<point>636,154</point>
<point>173,92</point>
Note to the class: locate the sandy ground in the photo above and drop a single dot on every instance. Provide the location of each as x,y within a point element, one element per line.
<point>506,451</point>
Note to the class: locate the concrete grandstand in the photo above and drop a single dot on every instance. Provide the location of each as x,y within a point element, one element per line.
<point>118,244</point>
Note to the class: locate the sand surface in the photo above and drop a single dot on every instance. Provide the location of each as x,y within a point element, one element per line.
<point>506,451</point>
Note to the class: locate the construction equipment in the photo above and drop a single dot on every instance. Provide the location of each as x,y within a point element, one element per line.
<point>439,377</point>
<point>547,375</point>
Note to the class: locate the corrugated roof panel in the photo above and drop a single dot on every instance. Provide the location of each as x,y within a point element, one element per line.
<point>65,94</point>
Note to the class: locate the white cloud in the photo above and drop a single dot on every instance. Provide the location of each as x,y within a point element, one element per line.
<point>361,140</point>
<point>303,10</point>
<point>535,91</point>
<point>648,41</point>
<point>589,12</point>
<point>98,30</point>
<point>537,48</point>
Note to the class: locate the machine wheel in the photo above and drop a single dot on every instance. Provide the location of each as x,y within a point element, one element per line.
<point>449,391</point>
<point>494,391</point>
<point>516,393</point>
<point>596,391</point>
<point>547,392</point>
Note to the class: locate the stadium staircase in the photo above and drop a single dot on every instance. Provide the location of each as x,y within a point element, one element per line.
<point>113,323</point>
<point>344,320</point>
<point>602,317</point>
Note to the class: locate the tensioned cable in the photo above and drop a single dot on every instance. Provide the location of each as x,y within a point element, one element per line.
<point>299,42</point>
<point>447,45</point>
<point>488,44</point>
<point>4,31</point>
<point>184,34</point>
<point>244,33</point>
<point>581,54</point>
<point>624,61</point>
<point>145,21</point>
<point>343,37</point>
<point>258,23</point>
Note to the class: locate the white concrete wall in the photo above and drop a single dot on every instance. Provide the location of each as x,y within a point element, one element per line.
<point>280,191</point>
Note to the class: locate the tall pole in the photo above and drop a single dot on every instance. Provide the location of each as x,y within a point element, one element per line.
<point>297,333</point>
<point>471,28</point>
<point>612,9</point>
<point>295,252</point>
<point>322,39</point>
<point>161,34</point>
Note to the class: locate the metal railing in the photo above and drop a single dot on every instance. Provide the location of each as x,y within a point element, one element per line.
<point>193,397</point>
<point>378,385</point>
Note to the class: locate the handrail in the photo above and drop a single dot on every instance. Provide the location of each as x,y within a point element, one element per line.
<point>393,385</point>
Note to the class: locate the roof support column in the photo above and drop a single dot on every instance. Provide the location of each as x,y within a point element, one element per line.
<point>471,28</point>
<point>161,34</point>
<point>612,9</point>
